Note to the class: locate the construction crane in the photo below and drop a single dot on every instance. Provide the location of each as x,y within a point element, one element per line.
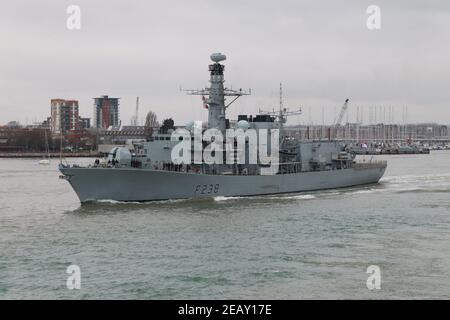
<point>342,113</point>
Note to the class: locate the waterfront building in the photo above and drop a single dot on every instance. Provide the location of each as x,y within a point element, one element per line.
<point>64,116</point>
<point>106,112</point>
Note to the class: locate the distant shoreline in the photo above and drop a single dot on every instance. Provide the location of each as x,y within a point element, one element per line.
<point>44,155</point>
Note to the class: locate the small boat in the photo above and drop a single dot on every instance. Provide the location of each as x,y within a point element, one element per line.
<point>46,161</point>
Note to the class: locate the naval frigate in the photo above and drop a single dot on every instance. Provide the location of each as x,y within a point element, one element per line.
<point>148,172</point>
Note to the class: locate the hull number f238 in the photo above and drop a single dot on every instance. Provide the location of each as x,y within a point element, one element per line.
<point>206,188</point>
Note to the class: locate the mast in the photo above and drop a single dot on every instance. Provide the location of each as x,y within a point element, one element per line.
<point>216,101</point>
<point>60,140</point>
<point>282,113</point>
<point>47,148</point>
<point>216,94</point>
<point>281,96</point>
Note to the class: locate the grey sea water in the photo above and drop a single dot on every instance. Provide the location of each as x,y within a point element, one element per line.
<point>297,246</point>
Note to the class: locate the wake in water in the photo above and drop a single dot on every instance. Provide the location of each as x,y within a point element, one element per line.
<point>108,201</point>
<point>222,198</point>
<point>281,196</point>
<point>140,202</point>
<point>297,197</point>
<point>396,184</point>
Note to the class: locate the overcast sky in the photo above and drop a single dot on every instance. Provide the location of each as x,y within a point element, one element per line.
<point>322,52</point>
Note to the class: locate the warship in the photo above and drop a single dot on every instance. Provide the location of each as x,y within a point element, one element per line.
<point>150,172</point>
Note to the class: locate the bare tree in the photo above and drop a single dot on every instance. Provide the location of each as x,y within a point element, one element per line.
<point>151,122</point>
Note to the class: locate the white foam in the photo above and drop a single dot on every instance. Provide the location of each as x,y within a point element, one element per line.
<point>173,200</point>
<point>222,198</point>
<point>330,193</point>
<point>365,191</point>
<point>118,202</point>
<point>301,197</point>
<point>141,202</point>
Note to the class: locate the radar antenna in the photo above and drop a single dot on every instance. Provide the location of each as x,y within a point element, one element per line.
<point>283,112</point>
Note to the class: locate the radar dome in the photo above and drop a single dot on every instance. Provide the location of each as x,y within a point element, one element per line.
<point>243,124</point>
<point>190,125</point>
<point>195,124</point>
<point>123,155</point>
<point>217,57</point>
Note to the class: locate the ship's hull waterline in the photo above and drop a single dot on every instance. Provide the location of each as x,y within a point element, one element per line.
<point>129,184</point>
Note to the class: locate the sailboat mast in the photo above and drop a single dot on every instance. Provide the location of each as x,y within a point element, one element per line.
<point>47,149</point>
<point>60,140</point>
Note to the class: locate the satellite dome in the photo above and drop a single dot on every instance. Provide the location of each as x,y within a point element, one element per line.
<point>190,125</point>
<point>217,57</point>
<point>194,124</point>
<point>123,155</point>
<point>243,124</point>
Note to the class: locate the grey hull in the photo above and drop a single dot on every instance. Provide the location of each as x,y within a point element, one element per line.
<point>127,184</point>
